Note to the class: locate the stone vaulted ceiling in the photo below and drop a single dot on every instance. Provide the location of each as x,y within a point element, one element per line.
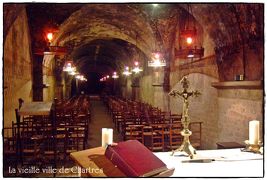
<point>112,35</point>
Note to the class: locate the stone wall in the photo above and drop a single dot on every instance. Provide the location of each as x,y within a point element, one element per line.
<point>236,108</point>
<point>225,113</point>
<point>17,67</point>
<point>146,90</point>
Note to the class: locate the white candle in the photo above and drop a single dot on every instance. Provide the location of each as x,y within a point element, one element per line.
<point>254,132</point>
<point>107,136</point>
<point>104,130</point>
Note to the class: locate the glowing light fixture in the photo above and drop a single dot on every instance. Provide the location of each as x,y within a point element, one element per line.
<point>157,60</point>
<point>188,39</point>
<point>115,76</point>
<point>69,67</point>
<point>78,76</point>
<point>155,5</point>
<point>136,68</point>
<point>126,71</point>
<point>49,36</point>
<point>73,72</point>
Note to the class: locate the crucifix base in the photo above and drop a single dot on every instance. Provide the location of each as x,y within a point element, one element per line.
<point>186,147</point>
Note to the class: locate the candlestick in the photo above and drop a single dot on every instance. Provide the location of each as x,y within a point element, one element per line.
<point>254,132</point>
<point>254,144</point>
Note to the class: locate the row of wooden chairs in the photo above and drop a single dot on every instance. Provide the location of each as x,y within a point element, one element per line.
<point>42,140</point>
<point>158,130</point>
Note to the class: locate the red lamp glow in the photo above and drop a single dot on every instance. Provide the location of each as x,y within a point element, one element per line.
<point>49,36</point>
<point>189,40</point>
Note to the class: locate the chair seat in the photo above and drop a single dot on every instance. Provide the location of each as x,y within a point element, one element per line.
<point>9,151</point>
<point>30,151</point>
<point>77,136</point>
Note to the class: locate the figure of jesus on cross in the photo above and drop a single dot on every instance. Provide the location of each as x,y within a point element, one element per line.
<point>185,94</point>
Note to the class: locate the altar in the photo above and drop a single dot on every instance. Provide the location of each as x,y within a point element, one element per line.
<point>219,163</point>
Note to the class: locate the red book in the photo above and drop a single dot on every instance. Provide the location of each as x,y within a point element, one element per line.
<point>134,159</point>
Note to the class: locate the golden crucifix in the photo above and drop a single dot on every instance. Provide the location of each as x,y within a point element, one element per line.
<point>185,94</point>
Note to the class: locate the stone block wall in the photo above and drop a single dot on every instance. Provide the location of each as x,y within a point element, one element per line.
<point>236,108</point>
<point>146,90</point>
<point>17,67</point>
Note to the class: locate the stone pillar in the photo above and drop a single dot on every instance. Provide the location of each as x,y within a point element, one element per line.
<point>58,74</point>
<point>37,84</point>
<point>135,89</point>
<point>161,98</point>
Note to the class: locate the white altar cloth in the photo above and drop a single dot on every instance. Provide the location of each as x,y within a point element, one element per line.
<point>227,163</point>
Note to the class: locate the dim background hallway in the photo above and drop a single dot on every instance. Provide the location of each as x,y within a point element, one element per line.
<point>100,118</point>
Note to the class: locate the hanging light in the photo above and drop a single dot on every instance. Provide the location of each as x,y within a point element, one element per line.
<point>136,68</point>
<point>78,76</point>
<point>157,60</point>
<point>49,37</point>
<point>69,66</point>
<point>115,76</point>
<point>73,72</point>
<point>126,71</point>
<point>83,78</point>
<point>188,39</point>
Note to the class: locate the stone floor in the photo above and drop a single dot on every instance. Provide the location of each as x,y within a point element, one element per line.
<point>100,118</point>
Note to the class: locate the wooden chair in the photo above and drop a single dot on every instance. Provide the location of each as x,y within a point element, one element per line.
<point>157,137</point>
<point>127,120</point>
<point>49,148</point>
<point>175,137</point>
<point>135,132</point>
<point>30,144</point>
<point>74,139</point>
<point>175,118</point>
<point>10,146</point>
<point>195,138</point>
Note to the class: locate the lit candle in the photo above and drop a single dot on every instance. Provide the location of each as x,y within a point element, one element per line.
<point>254,132</point>
<point>104,130</point>
<point>107,136</point>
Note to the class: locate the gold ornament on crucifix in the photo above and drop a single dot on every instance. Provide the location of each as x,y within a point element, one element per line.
<point>185,94</point>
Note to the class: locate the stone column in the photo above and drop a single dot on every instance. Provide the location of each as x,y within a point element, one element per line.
<point>135,89</point>
<point>161,98</point>
<point>37,85</point>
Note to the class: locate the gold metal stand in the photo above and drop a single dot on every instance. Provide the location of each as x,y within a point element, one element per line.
<point>185,94</point>
<point>255,148</point>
